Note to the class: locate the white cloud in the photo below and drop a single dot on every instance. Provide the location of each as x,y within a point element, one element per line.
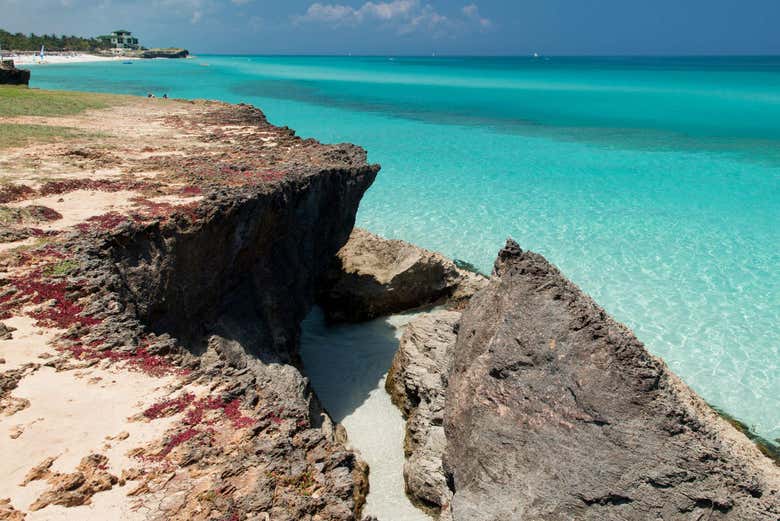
<point>471,12</point>
<point>406,16</point>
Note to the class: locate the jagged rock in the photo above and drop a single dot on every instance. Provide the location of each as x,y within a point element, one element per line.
<point>9,380</point>
<point>76,488</point>
<point>417,382</point>
<point>5,332</point>
<point>373,276</point>
<point>40,471</point>
<point>165,53</point>
<point>8,512</point>
<point>557,412</point>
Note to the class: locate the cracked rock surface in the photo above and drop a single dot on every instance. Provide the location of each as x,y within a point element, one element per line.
<point>555,411</point>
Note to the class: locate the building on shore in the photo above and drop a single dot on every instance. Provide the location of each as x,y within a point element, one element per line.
<point>121,40</point>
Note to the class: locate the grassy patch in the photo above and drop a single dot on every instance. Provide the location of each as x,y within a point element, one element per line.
<point>21,101</point>
<point>61,269</point>
<point>17,135</point>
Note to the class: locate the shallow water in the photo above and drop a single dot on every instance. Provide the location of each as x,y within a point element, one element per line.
<point>347,366</point>
<point>653,183</point>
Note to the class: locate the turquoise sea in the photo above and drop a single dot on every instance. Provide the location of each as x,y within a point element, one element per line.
<point>653,183</point>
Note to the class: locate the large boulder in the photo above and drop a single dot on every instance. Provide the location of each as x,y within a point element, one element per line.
<point>555,411</point>
<point>417,382</point>
<point>373,276</point>
<point>10,75</point>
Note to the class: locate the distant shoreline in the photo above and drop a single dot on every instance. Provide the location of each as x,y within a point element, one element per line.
<point>24,58</point>
<point>31,58</point>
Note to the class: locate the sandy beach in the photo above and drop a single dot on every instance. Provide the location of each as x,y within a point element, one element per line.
<point>34,59</point>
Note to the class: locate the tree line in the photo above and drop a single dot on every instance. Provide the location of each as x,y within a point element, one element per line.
<point>33,42</point>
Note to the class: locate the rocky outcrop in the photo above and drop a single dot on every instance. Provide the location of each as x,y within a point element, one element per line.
<point>417,383</point>
<point>207,292</point>
<point>555,411</point>
<point>72,489</point>
<point>165,53</point>
<point>373,276</point>
<point>6,332</point>
<point>233,291</point>
<point>10,75</point>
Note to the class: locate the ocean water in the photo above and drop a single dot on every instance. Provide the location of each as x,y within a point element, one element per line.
<point>653,183</point>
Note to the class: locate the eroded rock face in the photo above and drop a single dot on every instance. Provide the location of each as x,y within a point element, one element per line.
<point>373,276</point>
<point>557,412</point>
<point>208,296</point>
<point>10,75</point>
<point>417,382</point>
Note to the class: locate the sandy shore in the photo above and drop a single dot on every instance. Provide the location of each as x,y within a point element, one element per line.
<point>33,59</point>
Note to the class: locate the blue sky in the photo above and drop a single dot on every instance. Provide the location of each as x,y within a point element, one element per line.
<point>418,26</point>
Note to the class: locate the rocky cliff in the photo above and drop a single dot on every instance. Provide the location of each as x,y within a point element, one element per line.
<point>181,273</point>
<point>555,411</point>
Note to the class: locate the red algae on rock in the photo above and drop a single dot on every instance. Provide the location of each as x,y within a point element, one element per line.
<point>57,308</point>
<point>95,185</point>
<point>10,193</point>
<point>105,222</point>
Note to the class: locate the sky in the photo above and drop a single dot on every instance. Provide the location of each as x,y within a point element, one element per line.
<point>419,27</point>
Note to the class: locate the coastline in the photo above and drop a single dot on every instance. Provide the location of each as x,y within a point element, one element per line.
<point>194,423</point>
<point>136,233</point>
<point>58,59</point>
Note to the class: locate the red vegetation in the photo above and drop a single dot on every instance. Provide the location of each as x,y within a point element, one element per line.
<point>276,417</point>
<point>46,213</point>
<point>11,193</point>
<point>164,210</point>
<point>234,415</point>
<point>236,175</point>
<point>169,407</point>
<point>194,418</point>
<point>139,360</point>
<point>191,191</point>
<point>175,441</point>
<point>48,251</point>
<point>95,185</point>
<point>196,410</point>
<point>59,310</point>
<point>107,221</point>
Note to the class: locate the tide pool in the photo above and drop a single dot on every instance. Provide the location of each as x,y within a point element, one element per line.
<point>653,183</point>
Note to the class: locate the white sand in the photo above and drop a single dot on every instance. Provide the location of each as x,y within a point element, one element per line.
<point>347,365</point>
<point>79,205</point>
<point>72,414</point>
<point>32,59</point>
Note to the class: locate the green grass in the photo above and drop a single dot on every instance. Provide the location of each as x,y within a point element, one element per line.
<point>22,101</point>
<point>17,135</point>
<point>61,269</point>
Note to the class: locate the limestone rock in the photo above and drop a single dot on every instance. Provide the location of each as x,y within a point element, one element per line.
<point>8,512</point>
<point>417,383</point>
<point>76,488</point>
<point>373,276</point>
<point>555,411</point>
<point>6,332</point>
